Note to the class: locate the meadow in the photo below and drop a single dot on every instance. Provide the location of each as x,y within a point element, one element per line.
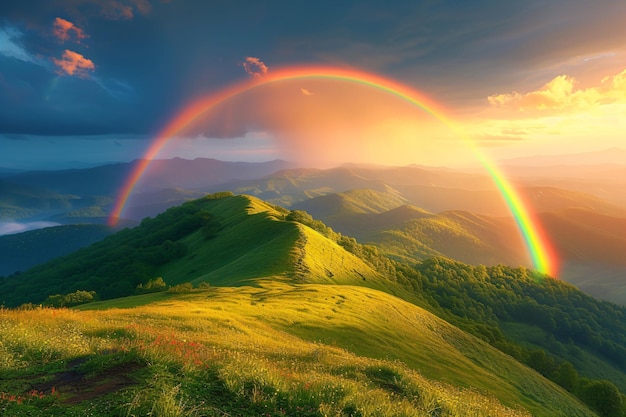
<point>271,350</point>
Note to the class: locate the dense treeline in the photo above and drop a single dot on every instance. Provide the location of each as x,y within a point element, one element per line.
<point>498,294</point>
<point>115,266</point>
<point>482,300</point>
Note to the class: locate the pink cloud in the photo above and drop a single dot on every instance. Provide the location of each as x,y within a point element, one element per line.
<point>63,30</point>
<point>254,67</point>
<point>74,64</point>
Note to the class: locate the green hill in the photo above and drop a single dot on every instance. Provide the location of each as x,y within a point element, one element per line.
<point>278,271</point>
<point>223,241</point>
<point>590,245</point>
<point>275,349</point>
<point>409,233</point>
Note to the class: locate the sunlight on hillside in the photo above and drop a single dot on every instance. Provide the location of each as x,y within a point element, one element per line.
<point>242,351</point>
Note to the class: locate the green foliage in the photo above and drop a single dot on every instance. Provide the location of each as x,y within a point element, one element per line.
<point>499,295</point>
<point>183,288</point>
<point>71,299</point>
<point>603,397</point>
<point>305,218</point>
<point>153,285</point>
<point>115,266</point>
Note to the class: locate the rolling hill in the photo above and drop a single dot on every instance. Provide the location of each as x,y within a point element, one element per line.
<point>275,349</point>
<point>272,256</point>
<point>219,240</point>
<point>22,202</point>
<point>106,180</point>
<point>409,233</point>
<point>589,244</point>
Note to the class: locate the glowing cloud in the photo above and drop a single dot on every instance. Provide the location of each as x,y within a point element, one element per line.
<point>254,67</point>
<point>537,244</point>
<point>74,64</point>
<point>63,29</point>
<point>306,92</point>
<point>560,94</point>
<point>559,114</point>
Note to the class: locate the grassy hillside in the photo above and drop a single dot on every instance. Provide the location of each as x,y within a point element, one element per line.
<point>409,233</point>
<point>277,349</point>
<point>349,203</point>
<point>223,241</point>
<point>590,245</point>
<point>236,241</point>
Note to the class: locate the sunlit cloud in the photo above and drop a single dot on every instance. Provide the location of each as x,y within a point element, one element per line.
<point>306,92</point>
<point>74,64</point>
<point>64,30</point>
<point>254,67</point>
<point>558,115</point>
<point>561,94</point>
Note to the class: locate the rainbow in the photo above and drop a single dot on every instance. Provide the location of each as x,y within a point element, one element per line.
<point>538,245</point>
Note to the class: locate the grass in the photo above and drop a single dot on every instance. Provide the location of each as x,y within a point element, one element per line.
<point>278,349</point>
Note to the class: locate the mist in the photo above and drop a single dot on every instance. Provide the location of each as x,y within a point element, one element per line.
<point>10,228</point>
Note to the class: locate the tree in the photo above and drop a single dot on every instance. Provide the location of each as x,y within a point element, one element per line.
<point>186,287</point>
<point>603,396</point>
<point>153,285</point>
<point>566,376</point>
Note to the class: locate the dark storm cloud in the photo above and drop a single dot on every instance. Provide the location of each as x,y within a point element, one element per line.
<point>151,57</point>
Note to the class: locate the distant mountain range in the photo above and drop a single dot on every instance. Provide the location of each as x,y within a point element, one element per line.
<point>410,212</point>
<point>107,180</point>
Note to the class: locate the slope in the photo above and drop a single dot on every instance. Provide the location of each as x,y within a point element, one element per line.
<point>221,239</point>
<point>276,349</point>
<point>409,233</point>
<point>589,244</point>
<point>349,203</point>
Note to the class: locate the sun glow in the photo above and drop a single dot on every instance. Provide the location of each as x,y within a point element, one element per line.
<point>538,245</point>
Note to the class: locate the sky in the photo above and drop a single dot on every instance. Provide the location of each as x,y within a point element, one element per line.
<point>85,82</point>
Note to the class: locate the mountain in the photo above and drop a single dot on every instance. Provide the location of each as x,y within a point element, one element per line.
<point>409,233</point>
<point>291,305</point>
<point>350,203</point>
<point>107,180</point>
<point>588,244</point>
<point>20,202</point>
<point>434,190</point>
<point>21,251</point>
<point>225,241</point>
<point>602,174</point>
